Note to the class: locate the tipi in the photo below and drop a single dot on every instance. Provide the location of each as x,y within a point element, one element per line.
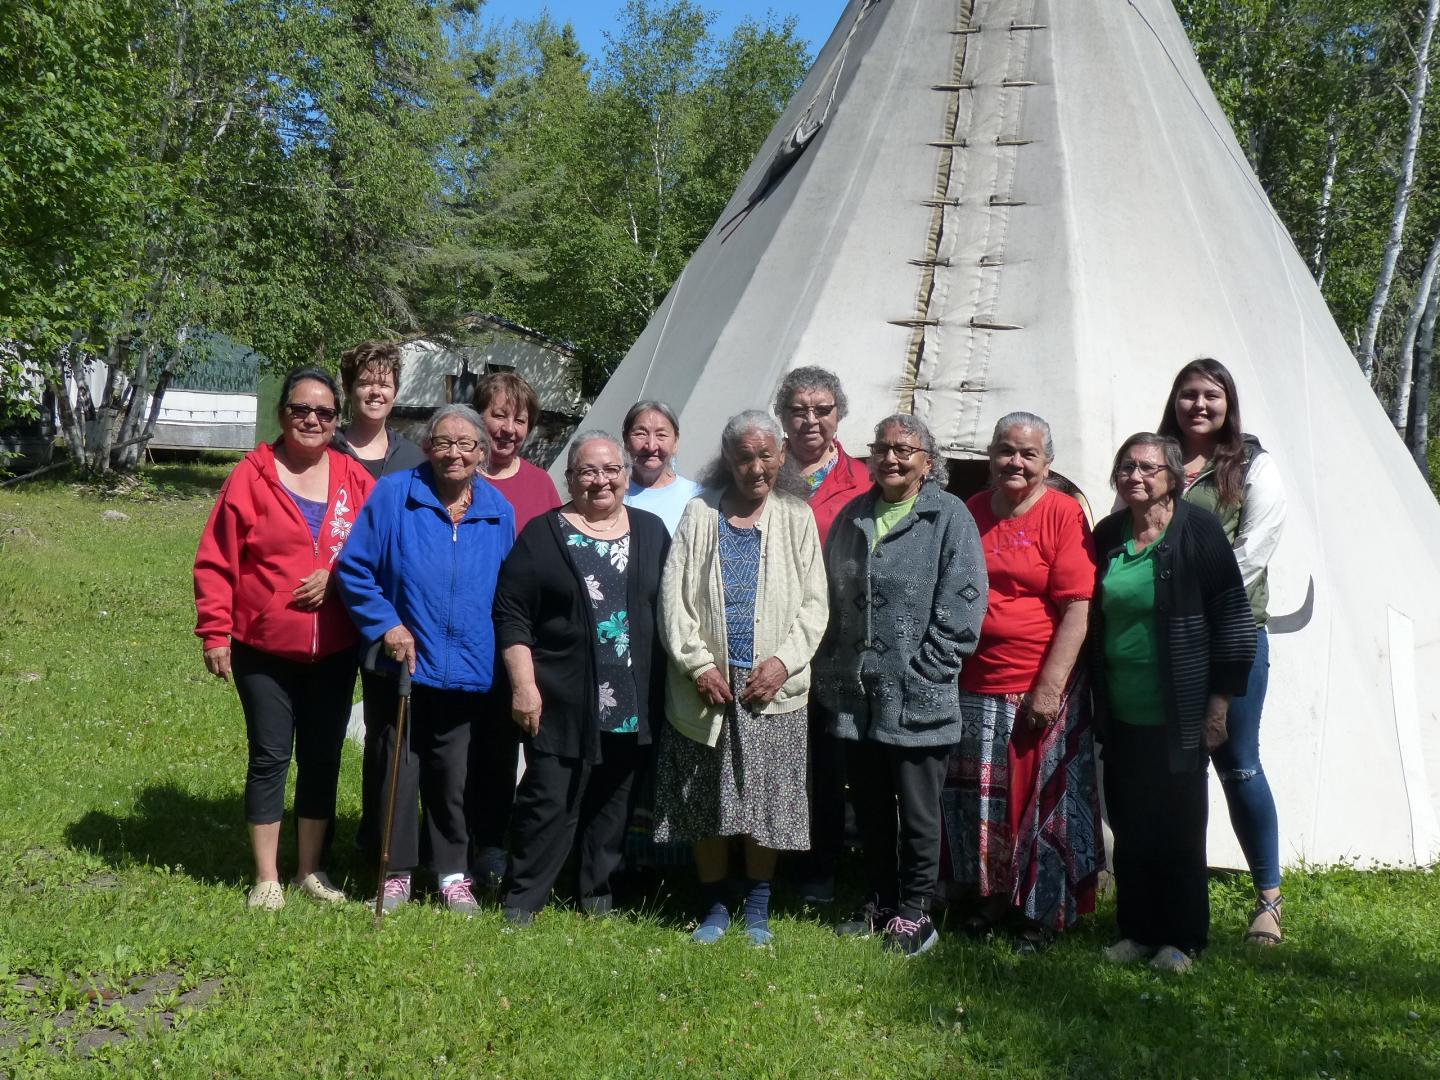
<point>974,206</point>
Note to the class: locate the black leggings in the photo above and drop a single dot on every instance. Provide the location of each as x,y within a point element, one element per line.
<point>287,703</point>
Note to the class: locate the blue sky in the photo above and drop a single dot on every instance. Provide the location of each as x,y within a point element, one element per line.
<point>591,18</point>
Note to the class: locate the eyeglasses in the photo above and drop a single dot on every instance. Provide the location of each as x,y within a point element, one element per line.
<point>441,445</point>
<point>1146,469</point>
<point>590,473</point>
<point>902,452</point>
<point>299,411</point>
<point>801,412</point>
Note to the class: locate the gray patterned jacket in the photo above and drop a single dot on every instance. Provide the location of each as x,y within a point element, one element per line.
<point>902,618</point>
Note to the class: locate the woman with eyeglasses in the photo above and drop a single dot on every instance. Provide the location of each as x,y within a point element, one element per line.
<point>267,616</point>
<point>744,612</point>
<point>1229,473</point>
<point>1172,639</point>
<point>1022,804</point>
<point>419,576</point>
<point>810,403</point>
<point>907,596</point>
<point>576,622</point>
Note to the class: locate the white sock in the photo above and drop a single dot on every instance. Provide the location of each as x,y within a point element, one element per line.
<point>446,880</point>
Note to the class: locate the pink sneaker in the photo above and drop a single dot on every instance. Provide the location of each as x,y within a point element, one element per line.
<point>397,892</point>
<point>459,898</point>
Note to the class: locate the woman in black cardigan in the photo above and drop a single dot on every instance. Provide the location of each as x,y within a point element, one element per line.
<point>575,619</point>
<point>1171,640</point>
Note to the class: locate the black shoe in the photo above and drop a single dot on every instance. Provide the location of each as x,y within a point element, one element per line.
<point>910,937</point>
<point>817,891</point>
<point>518,917</point>
<point>867,922</point>
<point>597,906</point>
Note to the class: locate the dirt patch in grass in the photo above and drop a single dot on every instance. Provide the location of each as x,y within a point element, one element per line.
<point>78,1015</point>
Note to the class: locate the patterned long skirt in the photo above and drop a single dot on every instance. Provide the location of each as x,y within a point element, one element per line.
<point>1021,810</point>
<point>752,782</point>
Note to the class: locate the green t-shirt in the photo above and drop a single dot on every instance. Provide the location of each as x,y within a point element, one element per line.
<point>1132,658</point>
<point>888,515</point>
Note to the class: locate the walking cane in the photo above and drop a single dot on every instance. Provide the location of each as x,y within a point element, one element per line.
<point>404,699</point>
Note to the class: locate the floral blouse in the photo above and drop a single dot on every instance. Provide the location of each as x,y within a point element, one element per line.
<point>601,564</point>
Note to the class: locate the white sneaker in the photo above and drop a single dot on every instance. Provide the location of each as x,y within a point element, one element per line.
<point>266,896</point>
<point>1126,951</point>
<point>318,887</point>
<point>1169,958</point>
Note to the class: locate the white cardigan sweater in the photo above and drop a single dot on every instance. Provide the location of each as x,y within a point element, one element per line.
<point>791,608</point>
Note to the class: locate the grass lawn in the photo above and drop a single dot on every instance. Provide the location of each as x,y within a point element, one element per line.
<point>123,940</point>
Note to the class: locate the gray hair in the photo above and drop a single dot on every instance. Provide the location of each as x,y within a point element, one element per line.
<point>1169,449</point>
<point>810,378</point>
<point>716,474</point>
<point>640,408</point>
<point>920,432</point>
<point>464,412</point>
<point>1025,420</point>
<point>594,435</point>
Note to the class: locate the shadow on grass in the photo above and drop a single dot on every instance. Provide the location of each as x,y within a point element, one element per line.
<point>204,838</point>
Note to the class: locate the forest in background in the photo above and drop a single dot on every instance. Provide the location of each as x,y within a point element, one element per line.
<point>300,176</point>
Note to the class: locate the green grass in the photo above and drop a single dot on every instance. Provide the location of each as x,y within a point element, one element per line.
<point>122,854</point>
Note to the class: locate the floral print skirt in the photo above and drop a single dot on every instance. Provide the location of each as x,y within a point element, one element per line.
<point>752,782</point>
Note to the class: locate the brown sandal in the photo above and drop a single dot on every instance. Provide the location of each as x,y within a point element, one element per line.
<point>1265,937</point>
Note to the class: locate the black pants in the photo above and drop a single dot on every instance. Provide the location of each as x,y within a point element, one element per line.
<point>896,790</point>
<point>380,698</point>
<point>827,799</point>
<point>1158,818</point>
<point>433,771</point>
<point>288,704</point>
<point>566,803</point>
<point>494,758</point>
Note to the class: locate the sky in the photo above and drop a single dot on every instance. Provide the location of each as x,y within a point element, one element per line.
<point>591,18</point>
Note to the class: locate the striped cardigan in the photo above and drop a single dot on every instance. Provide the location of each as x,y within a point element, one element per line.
<point>1205,632</point>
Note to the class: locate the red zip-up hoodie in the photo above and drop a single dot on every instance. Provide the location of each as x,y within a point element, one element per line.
<point>848,478</point>
<point>256,548</point>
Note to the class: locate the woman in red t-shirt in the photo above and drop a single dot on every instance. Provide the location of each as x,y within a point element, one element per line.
<point>1021,809</point>
<point>510,408</point>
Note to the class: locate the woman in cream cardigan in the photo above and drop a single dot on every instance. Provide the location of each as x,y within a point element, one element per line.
<point>744,608</point>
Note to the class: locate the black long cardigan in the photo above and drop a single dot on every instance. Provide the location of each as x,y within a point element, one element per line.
<point>1205,632</point>
<point>542,602</point>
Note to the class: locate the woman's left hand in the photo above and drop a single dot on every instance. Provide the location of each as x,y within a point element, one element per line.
<point>764,683</point>
<point>1217,712</point>
<point>310,593</point>
<point>1041,707</point>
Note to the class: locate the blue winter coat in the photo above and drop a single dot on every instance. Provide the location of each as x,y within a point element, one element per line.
<point>407,564</point>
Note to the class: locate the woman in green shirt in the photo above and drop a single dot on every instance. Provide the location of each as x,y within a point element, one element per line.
<point>1172,640</point>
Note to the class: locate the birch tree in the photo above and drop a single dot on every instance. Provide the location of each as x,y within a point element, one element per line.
<point>1404,187</point>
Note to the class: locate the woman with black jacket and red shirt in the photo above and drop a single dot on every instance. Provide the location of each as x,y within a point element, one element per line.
<point>266,614</point>
<point>1171,641</point>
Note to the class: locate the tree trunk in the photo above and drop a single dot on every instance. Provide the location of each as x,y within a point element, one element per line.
<point>70,423</point>
<point>130,457</point>
<point>99,459</point>
<point>1400,407</point>
<point>1406,183</point>
<point>1327,188</point>
<point>1419,430</point>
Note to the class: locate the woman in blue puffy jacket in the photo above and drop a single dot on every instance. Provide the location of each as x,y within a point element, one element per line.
<point>419,574</point>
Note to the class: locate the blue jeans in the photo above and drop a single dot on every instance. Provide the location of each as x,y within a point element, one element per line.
<point>1247,792</point>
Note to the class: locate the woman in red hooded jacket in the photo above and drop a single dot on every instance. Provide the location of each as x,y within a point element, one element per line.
<point>266,615</point>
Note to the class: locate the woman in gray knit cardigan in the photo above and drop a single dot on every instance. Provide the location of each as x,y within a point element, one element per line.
<point>908,590</point>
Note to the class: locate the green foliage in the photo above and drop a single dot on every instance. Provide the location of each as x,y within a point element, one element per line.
<point>1300,79</point>
<point>608,173</point>
<point>123,852</point>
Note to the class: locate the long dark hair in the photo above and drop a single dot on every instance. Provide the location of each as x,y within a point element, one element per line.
<point>1229,459</point>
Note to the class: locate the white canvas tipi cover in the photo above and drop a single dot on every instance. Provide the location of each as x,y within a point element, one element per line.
<point>975,206</point>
